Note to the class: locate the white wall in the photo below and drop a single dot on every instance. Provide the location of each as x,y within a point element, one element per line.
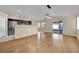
<point>3,25</point>
<point>69,26</point>
<point>47,26</point>
<point>25,30</point>
<point>78,34</point>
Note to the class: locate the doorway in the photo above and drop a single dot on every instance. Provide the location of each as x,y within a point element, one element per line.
<point>57,27</point>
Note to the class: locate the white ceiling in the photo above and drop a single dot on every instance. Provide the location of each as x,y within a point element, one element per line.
<point>39,11</point>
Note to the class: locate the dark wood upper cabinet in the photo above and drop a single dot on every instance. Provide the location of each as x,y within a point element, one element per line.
<point>21,22</point>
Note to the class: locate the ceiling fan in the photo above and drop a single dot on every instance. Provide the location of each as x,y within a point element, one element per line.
<point>49,14</point>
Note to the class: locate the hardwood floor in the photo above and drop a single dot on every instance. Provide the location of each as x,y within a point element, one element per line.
<point>45,43</point>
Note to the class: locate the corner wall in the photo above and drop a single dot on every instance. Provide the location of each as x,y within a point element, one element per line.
<point>69,26</point>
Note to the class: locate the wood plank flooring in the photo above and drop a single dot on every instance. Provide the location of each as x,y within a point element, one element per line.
<point>44,43</point>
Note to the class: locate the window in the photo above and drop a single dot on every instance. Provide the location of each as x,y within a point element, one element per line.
<point>78,23</point>
<point>55,26</point>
